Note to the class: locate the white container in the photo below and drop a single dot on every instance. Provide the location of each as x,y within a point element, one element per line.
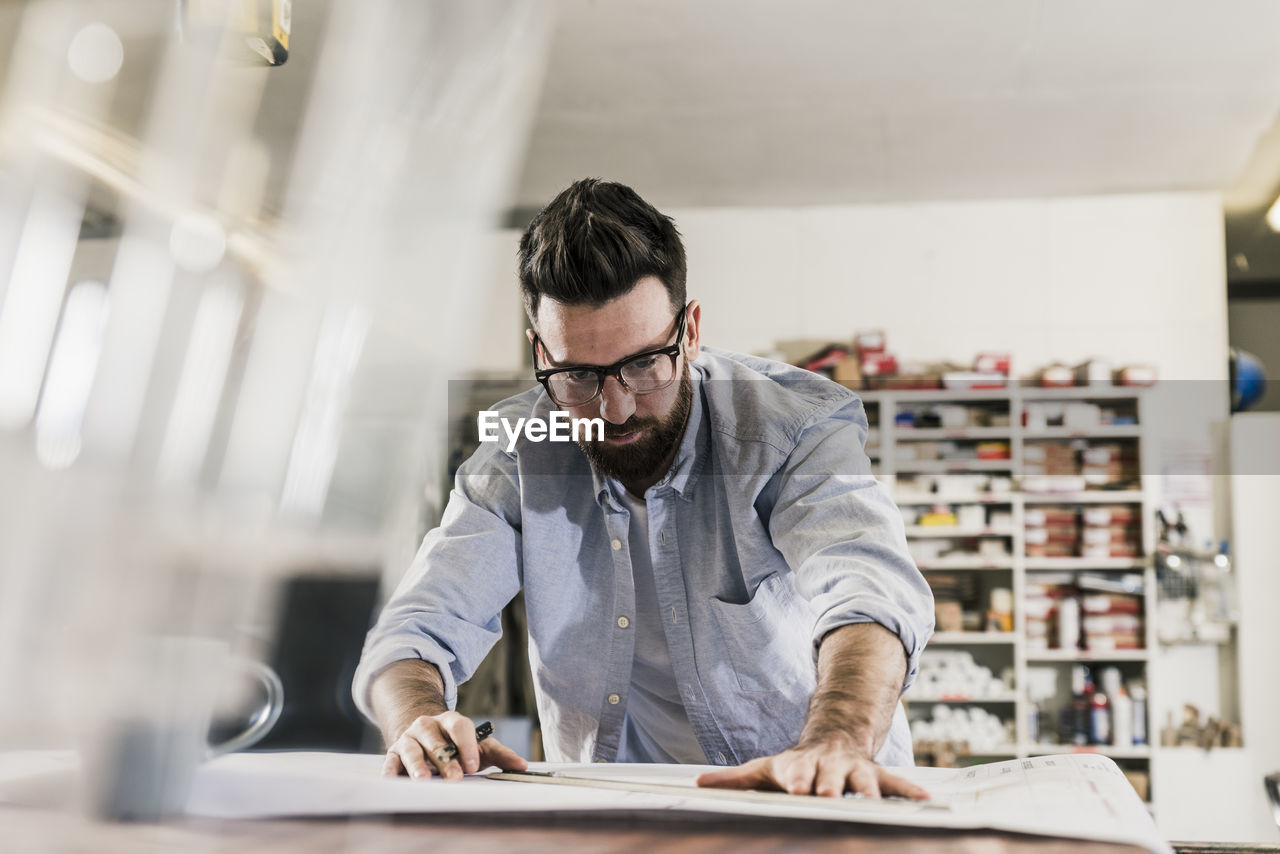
<point>1068,623</point>
<point>1139,714</point>
<point>1121,719</point>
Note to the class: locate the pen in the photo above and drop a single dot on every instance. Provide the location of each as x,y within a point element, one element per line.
<point>449,751</point>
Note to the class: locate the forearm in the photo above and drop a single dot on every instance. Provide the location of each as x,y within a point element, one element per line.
<point>861,668</point>
<point>403,692</point>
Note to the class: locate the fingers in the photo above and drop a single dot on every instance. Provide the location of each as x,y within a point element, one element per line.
<point>802,772</point>
<point>422,751</point>
<point>461,731</point>
<point>863,779</point>
<point>494,752</point>
<point>831,779</point>
<point>795,772</point>
<point>891,784</point>
<point>406,754</point>
<point>751,775</point>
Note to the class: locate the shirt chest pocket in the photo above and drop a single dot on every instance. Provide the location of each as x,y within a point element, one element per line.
<point>768,640</point>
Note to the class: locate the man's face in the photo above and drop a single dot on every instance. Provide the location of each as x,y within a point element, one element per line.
<point>641,431</point>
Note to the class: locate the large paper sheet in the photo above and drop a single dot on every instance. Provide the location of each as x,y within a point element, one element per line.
<point>1075,796</point>
<point>1081,796</point>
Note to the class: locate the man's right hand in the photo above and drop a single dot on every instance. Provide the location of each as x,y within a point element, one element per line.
<point>413,752</point>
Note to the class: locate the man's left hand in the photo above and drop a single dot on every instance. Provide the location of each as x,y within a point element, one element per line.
<point>820,768</point>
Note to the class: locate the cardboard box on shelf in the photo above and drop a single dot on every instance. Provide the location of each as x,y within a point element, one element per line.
<point>848,372</point>
<point>1110,514</point>
<point>1050,515</point>
<point>1106,535</point>
<point>1055,376</point>
<point>1135,375</point>
<point>1111,603</point>
<point>1093,372</point>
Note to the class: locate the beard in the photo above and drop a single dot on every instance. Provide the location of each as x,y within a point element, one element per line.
<point>640,459</point>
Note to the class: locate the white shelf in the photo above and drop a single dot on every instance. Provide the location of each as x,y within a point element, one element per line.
<point>929,434</point>
<point>1137,752</point>
<point>1102,431</point>
<point>1007,699</point>
<point>1086,563</point>
<point>936,395</point>
<point>1007,751</point>
<point>1016,571</point>
<point>951,466</point>
<point>966,638</point>
<point>974,563</point>
<point>1088,655</point>
<point>955,531</point>
<point>1082,392</point>
<point>1101,496</point>
<point>913,499</point>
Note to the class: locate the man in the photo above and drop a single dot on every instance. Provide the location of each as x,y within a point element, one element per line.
<point>718,580</point>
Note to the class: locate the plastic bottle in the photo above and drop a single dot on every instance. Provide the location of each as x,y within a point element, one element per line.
<point>1121,719</point>
<point>1139,696</point>
<point>1099,719</point>
<point>1069,623</point>
<point>1081,689</point>
<point>1110,680</point>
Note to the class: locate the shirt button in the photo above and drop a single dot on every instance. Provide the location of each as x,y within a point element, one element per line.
<point>623,622</point>
<point>720,758</point>
<point>614,699</point>
<point>617,544</point>
<point>602,760</point>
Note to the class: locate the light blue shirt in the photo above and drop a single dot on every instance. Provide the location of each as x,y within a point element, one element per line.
<point>767,532</point>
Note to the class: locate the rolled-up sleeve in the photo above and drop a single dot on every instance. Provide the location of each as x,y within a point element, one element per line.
<point>841,533</point>
<point>447,609</point>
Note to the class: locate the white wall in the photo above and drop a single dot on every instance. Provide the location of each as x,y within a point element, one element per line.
<point>1255,441</point>
<point>1131,278</point>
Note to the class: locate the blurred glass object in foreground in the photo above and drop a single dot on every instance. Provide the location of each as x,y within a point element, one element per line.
<point>229,296</point>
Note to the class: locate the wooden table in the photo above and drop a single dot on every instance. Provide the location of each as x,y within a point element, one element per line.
<point>42,832</point>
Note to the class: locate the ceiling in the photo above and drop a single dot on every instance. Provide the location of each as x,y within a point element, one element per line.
<point>753,102</point>
<point>760,102</point>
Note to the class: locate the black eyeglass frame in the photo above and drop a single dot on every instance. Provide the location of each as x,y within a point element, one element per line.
<point>602,373</point>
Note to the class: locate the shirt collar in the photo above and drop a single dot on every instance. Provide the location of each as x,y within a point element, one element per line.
<point>686,465</point>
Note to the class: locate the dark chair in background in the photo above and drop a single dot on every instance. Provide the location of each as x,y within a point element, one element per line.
<point>321,629</point>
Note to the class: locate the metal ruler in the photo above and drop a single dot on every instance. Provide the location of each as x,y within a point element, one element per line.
<point>847,804</point>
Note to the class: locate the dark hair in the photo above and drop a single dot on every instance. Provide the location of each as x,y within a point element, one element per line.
<point>593,243</point>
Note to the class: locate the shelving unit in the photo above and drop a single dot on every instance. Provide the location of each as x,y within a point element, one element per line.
<point>904,456</point>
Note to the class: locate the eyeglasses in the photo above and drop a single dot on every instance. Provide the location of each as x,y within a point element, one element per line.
<point>643,373</point>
